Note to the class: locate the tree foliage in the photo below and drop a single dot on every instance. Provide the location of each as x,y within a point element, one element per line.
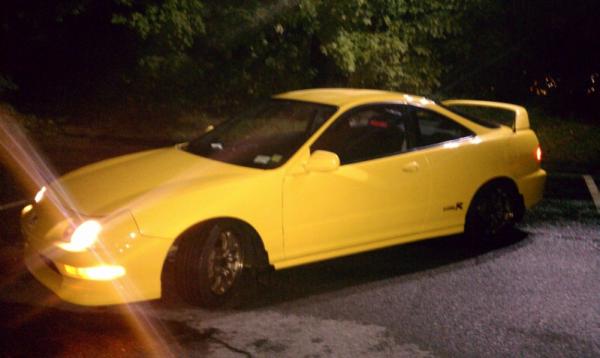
<point>253,48</point>
<point>171,24</point>
<point>208,52</point>
<point>389,43</point>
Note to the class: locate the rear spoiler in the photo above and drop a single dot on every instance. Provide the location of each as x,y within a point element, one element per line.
<point>521,120</point>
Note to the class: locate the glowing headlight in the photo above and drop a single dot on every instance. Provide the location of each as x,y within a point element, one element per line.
<point>40,194</point>
<point>84,236</point>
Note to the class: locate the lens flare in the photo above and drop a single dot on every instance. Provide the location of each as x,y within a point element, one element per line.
<point>29,167</point>
<point>22,158</point>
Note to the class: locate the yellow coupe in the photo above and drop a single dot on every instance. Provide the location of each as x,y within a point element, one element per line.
<point>308,176</point>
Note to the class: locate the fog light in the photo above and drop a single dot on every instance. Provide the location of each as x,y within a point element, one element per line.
<point>96,273</point>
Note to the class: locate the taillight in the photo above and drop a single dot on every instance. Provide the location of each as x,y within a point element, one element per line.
<point>538,154</point>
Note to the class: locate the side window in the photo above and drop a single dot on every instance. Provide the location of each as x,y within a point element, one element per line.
<point>435,128</point>
<point>367,133</point>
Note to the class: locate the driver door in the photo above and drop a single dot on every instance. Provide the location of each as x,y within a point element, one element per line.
<point>379,192</point>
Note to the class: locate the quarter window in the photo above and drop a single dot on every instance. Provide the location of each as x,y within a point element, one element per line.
<point>435,128</point>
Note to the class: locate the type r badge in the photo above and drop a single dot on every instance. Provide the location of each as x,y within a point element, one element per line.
<point>458,206</point>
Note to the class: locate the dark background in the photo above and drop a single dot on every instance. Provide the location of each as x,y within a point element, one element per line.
<point>81,59</point>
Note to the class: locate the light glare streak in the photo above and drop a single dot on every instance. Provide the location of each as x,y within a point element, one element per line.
<point>21,156</point>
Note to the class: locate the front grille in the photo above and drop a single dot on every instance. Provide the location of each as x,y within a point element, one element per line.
<point>49,263</point>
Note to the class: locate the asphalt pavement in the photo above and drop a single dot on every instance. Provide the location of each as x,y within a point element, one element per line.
<point>536,294</point>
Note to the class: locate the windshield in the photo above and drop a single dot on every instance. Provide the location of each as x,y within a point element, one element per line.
<point>264,137</point>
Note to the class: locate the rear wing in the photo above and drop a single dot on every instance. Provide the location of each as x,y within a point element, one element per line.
<point>521,118</point>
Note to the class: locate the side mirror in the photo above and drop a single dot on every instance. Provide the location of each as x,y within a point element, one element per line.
<point>322,161</point>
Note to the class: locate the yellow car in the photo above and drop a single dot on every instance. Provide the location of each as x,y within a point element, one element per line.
<point>308,176</point>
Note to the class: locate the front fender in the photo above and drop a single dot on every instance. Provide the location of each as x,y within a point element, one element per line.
<point>255,199</point>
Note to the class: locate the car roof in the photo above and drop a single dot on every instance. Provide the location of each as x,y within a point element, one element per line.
<point>347,96</point>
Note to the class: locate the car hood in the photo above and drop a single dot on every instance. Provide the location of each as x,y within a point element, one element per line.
<point>107,186</point>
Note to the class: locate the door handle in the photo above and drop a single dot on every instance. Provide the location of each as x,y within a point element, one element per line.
<point>411,167</point>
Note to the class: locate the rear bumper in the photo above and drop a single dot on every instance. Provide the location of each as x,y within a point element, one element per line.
<point>531,187</point>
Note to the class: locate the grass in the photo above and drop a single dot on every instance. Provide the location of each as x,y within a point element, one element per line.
<point>140,129</point>
<point>569,145</point>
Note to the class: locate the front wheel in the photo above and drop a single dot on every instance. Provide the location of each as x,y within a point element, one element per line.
<point>492,212</point>
<point>212,266</point>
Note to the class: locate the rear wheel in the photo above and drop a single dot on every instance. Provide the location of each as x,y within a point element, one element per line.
<point>213,267</point>
<point>494,210</point>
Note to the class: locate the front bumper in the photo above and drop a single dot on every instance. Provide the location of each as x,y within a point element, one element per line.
<point>80,291</point>
<point>141,259</point>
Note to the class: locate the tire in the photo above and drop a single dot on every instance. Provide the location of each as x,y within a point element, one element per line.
<point>214,265</point>
<point>493,211</point>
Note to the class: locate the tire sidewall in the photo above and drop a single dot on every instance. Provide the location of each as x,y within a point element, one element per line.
<point>210,298</point>
<point>476,227</point>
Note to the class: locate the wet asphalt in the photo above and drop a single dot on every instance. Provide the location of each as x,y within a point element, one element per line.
<point>535,294</point>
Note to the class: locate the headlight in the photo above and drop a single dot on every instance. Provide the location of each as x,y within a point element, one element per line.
<point>40,194</point>
<point>84,236</point>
